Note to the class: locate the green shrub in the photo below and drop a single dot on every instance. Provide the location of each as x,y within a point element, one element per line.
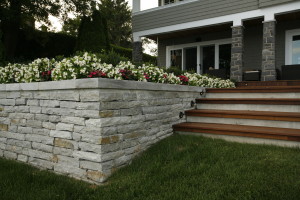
<point>2,50</point>
<point>93,34</point>
<point>176,70</point>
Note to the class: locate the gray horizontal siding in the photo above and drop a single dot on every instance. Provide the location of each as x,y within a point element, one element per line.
<point>264,3</point>
<point>198,10</point>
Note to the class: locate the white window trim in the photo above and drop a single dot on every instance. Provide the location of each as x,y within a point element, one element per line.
<point>288,44</point>
<point>197,45</point>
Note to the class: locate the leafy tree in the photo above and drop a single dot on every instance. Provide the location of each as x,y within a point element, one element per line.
<point>13,11</point>
<point>118,15</point>
<point>71,26</point>
<point>93,35</point>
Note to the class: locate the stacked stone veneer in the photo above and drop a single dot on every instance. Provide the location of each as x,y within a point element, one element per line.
<point>268,52</point>
<point>87,128</point>
<point>237,53</point>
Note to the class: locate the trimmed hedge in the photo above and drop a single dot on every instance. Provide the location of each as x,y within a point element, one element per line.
<point>2,50</point>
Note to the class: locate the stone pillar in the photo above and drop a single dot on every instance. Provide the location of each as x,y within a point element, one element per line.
<point>237,51</point>
<point>268,52</point>
<point>137,52</point>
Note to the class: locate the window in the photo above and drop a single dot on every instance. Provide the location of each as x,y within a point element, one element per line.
<point>166,2</point>
<point>292,47</point>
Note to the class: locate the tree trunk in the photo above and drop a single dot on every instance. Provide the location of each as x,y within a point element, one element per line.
<point>10,28</point>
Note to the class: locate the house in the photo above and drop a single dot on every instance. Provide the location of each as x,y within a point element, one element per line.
<point>236,36</point>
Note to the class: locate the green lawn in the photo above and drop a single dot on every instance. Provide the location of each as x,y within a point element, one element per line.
<point>180,167</point>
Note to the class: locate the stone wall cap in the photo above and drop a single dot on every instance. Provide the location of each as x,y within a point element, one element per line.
<point>98,83</point>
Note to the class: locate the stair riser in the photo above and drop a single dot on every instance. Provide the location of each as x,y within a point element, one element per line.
<point>248,122</point>
<point>252,95</point>
<point>245,139</point>
<point>251,107</point>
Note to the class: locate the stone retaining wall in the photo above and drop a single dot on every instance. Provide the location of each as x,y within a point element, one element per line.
<point>87,128</point>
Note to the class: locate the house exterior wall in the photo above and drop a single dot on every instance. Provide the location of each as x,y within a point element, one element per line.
<point>264,3</point>
<point>188,12</point>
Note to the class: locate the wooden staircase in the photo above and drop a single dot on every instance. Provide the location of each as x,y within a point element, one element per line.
<point>253,114</point>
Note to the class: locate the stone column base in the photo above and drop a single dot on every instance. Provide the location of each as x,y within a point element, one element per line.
<point>137,52</point>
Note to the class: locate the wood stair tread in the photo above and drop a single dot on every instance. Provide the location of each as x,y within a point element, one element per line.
<point>269,101</point>
<point>256,89</point>
<point>240,130</point>
<point>245,114</point>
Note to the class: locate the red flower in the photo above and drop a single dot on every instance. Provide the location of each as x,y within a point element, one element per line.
<point>184,80</point>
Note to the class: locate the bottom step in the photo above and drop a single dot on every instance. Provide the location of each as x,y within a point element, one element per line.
<point>240,130</point>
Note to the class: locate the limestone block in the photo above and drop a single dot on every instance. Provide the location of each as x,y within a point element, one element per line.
<point>41,95</point>
<point>11,135</point>
<point>38,154</point>
<point>87,113</point>
<point>90,147</point>
<point>7,102</point>
<point>22,109</point>
<point>110,95</point>
<point>89,95</point>
<point>21,101</point>
<point>2,146</point>
<point>49,103</point>
<point>9,109</point>
<point>39,138</point>
<point>66,95</point>
<point>64,127</point>
<point>68,144</point>
<point>34,123</point>
<point>61,134</point>
<point>90,165</point>
<point>42,131</point>
<point>73,120</point>
<point>13,127</point>
<point>21,116</point>
<point>49,125</point>
<point>110,147</point>
<point>54,118</point>
<point>42,147</point>
<point>13,95</point>
<point>131,112</point>
<point>62,151</point>
<point>91,139</point>
<point>24,130</point>
<point>22,158</point>
<point>19,143</point>
<point>10,155</point>
<point>35,109</point>
<point>41,163</point>
<point>68,161</point>
<point>41,117</point>
<point>114,121</point>
<point>14,149</point>
<point>87,156</point>
<point>1,153</point>
<point>89,130</point>
<point>112,155</point>
<point>109,113</point>
<point>33,102</point>
<point>3,127</point>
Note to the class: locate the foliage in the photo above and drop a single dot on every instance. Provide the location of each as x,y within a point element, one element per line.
<point>93,35</point>
<point>179,167</point>
<point>118,15</point>
<point>14,14</point>
<point>126,52</point>
<point>34,44</point>
<point>71,26</point>
<point>84,64</point>
<point>2,50</point>
<point>112,58</point>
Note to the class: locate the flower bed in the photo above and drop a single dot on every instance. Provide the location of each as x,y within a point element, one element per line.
<point>90,66</point>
